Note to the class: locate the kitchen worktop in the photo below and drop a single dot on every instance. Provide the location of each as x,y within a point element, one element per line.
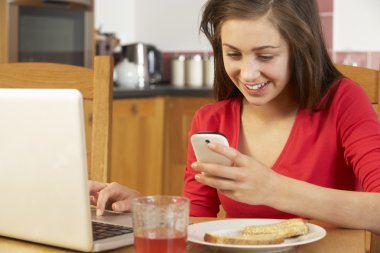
<point>160,90</point>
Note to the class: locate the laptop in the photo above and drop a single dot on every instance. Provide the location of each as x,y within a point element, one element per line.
<point>43,173</point>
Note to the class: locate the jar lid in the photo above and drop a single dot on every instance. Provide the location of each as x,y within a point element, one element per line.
<point>179,57</point>
<point>208,57</point>
<point>196,57</point>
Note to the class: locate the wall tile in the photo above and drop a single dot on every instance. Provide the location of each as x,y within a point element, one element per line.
<point>352,58</point>
<point>375,60</point>
<point>331,54</point>
<point>325,5</point>
<point>166,66</point>
<point>327,27</point>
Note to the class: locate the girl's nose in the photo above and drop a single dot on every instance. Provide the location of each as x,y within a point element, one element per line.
<point>249,70</point>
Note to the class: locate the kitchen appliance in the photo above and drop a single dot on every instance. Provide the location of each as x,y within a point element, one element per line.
<point>125,74</point>
<point>59,31</point>
<point>148,60</point>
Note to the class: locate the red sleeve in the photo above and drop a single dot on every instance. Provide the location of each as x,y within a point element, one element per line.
<point>204,200</point>
<point>359,129</point>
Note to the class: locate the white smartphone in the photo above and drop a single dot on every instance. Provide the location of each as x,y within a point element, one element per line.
<point>199,142</point>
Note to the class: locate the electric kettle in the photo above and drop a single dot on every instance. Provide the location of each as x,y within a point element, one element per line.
<point>148,60</point>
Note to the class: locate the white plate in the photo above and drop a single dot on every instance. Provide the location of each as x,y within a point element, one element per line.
<point>197,231</point>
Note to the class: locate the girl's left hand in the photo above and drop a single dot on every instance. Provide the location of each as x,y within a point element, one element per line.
<point>247,180</point>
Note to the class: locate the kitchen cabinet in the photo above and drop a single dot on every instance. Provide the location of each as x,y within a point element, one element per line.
<point>179,112</point>
<point>137,140</point>
<point>149,142</point>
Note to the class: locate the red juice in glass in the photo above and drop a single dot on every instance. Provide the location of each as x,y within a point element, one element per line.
<point>160,241</point>
<point>160,224</point>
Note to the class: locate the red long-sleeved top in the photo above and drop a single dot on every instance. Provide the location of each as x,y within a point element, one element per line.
<point>338,147</point>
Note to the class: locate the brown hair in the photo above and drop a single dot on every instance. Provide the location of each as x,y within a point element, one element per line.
<point>312,71</point>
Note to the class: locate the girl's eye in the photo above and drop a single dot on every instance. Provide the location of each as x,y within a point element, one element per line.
<point>233,55</point>
<point>265,57</point>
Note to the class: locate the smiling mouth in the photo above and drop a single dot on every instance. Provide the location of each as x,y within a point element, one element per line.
<point>257,86</point>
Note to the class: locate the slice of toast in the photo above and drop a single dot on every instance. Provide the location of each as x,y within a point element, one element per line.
<point>261,234</point>
<point>244,239</point>
<point>288,228</point>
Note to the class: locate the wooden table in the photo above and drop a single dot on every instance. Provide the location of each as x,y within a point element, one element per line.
<point>337,240</point>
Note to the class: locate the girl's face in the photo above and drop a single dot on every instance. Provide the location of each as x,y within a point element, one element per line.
<point>256,59</point>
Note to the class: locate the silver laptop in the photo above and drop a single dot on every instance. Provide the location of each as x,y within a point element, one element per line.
<point>43,173</point>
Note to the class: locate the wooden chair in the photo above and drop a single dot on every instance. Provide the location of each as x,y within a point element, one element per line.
<point>369,79</point>
<point>96,88</point>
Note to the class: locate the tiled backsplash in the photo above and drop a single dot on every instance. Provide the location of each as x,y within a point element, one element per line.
<point>326,14</point>
<point>363,59</point>
<point>325,5</point>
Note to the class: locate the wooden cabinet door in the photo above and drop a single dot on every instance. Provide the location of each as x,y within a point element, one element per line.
<point>137,144</point>
<point>179,112</point>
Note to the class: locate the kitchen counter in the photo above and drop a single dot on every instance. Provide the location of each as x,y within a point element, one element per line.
<point>160,90</point>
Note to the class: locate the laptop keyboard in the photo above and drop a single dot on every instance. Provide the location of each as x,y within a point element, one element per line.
<point>102,230</point>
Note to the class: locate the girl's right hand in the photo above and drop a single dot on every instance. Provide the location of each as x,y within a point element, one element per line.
<point>112,196</point>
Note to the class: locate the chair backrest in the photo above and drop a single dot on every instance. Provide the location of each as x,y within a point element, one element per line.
<point>96,88</point>
<point>369,79</point>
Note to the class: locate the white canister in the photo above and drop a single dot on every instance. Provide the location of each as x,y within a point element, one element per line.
<point>208,71</point>
<point>178,71</point>
<point>194,71</point>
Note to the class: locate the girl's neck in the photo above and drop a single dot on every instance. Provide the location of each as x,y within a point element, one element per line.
<point>281,108</point>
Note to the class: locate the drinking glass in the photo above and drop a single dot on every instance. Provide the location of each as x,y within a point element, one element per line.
<point>160,224</point>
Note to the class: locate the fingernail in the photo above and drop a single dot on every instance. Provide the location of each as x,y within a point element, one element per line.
<point>197,177</point>
<point>194,166</point>
<point>99,212</point>
<point>115,207</point>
